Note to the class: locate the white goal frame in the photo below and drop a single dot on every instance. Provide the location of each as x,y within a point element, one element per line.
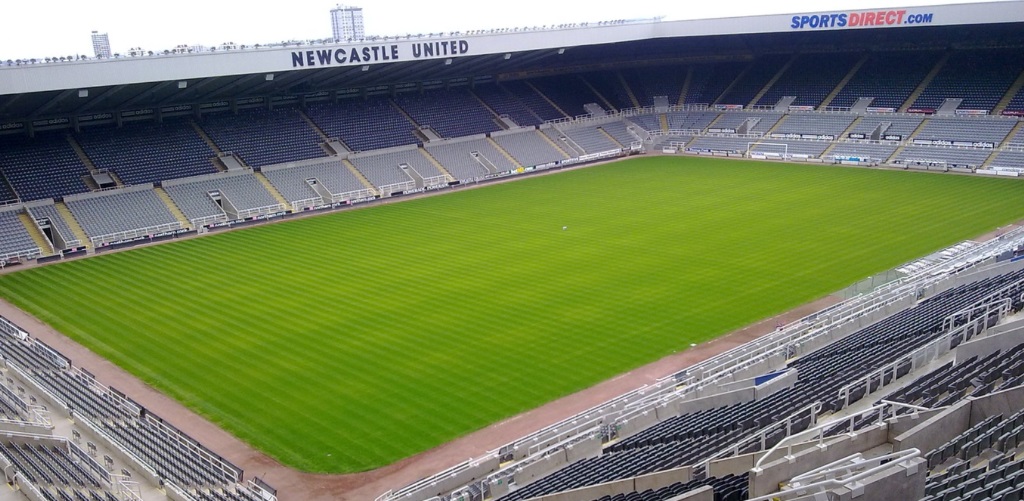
<point>785,148</point>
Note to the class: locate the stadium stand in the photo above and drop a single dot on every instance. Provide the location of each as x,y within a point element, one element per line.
<point>736,145</point>
<point>619,130</point>
<point>51,464</point>
<point>979,129</point>
<point>690,120</point>
<point>753,79</point>
<point>978,461</point>
<point>876,79</point>
<point>609,85</point>
<point>691,437</point>
<point>14,237</point>
<point>710,80</point>
<point>363,124</point>
<point>528,148</point>
<point>44,167</point>
<point>230,195</point>
<point>794,147</point>
<point>58,467</point>
<point>532,100</point>
<point>7,194</point>
<point>564,142</point>
<point>810,78</point>
<point>815,123</point>
<point>119,213</point>
<point>976,376</point>
<point>142,153</point>
<point>942,156</point>
<point>647,122</point>
<point>763,121</point>
<point>569,93</point>
<point>1008,159</point>
<point>647,83</point>
<point>591,139</point>
<point>979,77</point>
<point>876,152</point>
<point>887,124</point>
<point>264,137</point>
<point>1016,102</point>
<point>470,159</point>
<point>730,487</point>
<point>291,180</point>
<point>505,104</point>
<point>450,112</point>
<point>49,212</point>
<point>384,169</point>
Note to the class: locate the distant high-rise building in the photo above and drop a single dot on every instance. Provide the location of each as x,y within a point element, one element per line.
<point>347,23</point>
<point>101,44</point>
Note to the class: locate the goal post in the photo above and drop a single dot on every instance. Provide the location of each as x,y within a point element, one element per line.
<point>767,150</point>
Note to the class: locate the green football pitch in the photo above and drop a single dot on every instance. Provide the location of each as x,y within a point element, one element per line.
<point>345,342</point>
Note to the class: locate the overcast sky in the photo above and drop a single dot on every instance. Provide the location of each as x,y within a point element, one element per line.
<point>40,28</point>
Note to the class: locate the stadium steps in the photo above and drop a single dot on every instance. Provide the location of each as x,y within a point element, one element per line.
<point>895,154</point>
<point>486,106</point>
<point>778,75</point>
<point>924,83</point>
<point>173,207</point>
<point>552,103</point>
<point>713,122</point>
<point>437,164</point>
<point>768,133</point>
<point>852,126</point>
<point>842,83</point>
<point>1012,91</point>
<point>314,126</point>
<point>919,128</point>
<point>828,150</point>
<point>1013,132</point>
<point>629,92</point>
<point>988,161</point>
<point>209,142</point>
<point>272,190</point>
<point>604,100</point>
<point>76,229</point>
<point>5,182</point>
<point>557,146</point>
<point>404,114</point>
<point>503,152</point>
<point>45,247</point>
<point>330,149</point>
<point>359,175</point>
<point>846,131</point>
<point>611,138</point>
<point>725,92</point>
<point>686,86</point>
<point>663,120</point>
<point>81,154</point>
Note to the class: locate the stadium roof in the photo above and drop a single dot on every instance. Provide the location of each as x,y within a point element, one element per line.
<point>56,93</point>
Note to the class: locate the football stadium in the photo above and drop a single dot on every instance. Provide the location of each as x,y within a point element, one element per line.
<point>771,257</point>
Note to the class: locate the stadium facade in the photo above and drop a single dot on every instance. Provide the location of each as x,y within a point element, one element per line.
<point>105,153</point>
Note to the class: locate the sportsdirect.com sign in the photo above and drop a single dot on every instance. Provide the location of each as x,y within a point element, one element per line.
<point>860,19</point>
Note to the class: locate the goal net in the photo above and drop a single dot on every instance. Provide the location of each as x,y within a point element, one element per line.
<point>762,150</point>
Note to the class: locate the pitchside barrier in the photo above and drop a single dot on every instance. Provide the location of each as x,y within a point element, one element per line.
<point>122,236</point>
<point>650,403</point>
